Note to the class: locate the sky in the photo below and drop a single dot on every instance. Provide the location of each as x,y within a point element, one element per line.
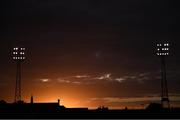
<point>90,52</point>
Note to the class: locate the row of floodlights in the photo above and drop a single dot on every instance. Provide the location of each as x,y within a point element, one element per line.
<point>19,58</point>
<point>16,48</point>
<point>21,53</point>
<point>163,49</point>
<point>166,44</point>
<point>162,54</point>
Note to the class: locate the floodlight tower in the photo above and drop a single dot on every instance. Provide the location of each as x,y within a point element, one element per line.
<point>162,53</point>
<point>18,57</point>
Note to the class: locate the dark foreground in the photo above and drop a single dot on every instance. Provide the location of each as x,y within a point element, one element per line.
<point>124,114</point>
<point>55,111</point>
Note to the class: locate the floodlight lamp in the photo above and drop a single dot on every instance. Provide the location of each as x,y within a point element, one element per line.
<point>15,48</point>
<point>22,48</point>
<point>158,45</point>
<point>167,44</point>
<point>162,49</point>
<point>19,53</point>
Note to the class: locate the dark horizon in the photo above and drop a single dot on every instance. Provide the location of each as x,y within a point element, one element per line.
<point>54,110</point>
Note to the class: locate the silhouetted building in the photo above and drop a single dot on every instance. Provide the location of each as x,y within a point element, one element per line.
<point>73,110</point>
<point>21,106</point>
<point>154,106</point>
<point>2,102</point>
<point>102,108</point>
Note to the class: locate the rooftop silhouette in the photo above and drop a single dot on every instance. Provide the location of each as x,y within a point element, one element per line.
<point>21,109</point>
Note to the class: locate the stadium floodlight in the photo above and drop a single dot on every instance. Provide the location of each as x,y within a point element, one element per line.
<point>19,54</point>
<point>18,57</point>
<point>162,50</point>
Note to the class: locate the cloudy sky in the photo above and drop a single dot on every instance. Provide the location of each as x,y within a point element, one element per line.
<point>90,52</point>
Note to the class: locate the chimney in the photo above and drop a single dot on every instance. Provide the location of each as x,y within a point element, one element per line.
<point>58,101</point>
<point>31,99</point>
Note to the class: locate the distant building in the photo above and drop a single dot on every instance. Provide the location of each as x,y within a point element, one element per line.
<point>21,106</point>
<point>31,107</point>
<point>102,108</point>
<point>154,106</point>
